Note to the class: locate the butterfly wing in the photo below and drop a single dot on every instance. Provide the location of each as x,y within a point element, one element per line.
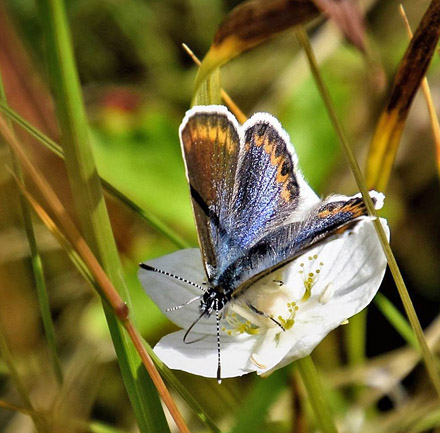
<point>331,217</point>
<point>269,188</point>
<point>244,182</point>
<point>210,139</point>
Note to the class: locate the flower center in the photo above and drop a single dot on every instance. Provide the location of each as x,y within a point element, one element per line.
<point>236,325</point>
<point>309,278</point>
<point>266,305</point>
<point>274,302</point>
<point>292,308</point>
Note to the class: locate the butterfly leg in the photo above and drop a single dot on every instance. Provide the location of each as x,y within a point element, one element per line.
<point>268,316</point>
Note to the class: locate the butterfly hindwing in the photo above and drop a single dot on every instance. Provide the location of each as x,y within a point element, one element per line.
<point>329,218</point>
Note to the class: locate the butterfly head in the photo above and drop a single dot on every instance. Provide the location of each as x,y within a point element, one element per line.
<point>213,300</point>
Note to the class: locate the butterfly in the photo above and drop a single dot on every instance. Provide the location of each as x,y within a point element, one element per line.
<point>254,211</point>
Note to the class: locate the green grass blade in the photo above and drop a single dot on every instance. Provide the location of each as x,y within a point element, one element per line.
<point>37,265</point>
<point>80,264</point>
<point>356,338</point>
<point>316,393</point>
<point>427,355</point>
<point>149,218</point>
<point>394,316</point>
<point>209,91</point>
<point>43,300</point>
<point>34,132</point>
<point>89,202</point>
<point>96,427</point>
<point>171,380</point>
<point>255,407</point>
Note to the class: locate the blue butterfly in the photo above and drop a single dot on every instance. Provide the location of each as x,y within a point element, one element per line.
<point>253,209</point>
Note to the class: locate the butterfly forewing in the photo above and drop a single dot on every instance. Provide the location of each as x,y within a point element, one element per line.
<point>210,144</point>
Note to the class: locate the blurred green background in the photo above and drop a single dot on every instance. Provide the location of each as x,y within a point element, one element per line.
<point>137,83</point>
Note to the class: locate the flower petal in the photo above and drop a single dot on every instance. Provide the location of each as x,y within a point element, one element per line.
<point>168,292</point>
<point>355,266</point>
<point>351,270</point>
<point>200,356</point>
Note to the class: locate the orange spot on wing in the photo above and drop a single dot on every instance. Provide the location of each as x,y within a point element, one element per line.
<point>356,209</point>
<point>278,161</point>
<point>285,194</point>
<point>326,213</point>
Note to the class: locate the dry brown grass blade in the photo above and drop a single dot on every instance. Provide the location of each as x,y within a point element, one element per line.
<point>385,371</point>
<point>59,236</point>
<point>348,17</point>
<point>412,69</point>
<point>249,24</point>
<point>26,91</point>
<point>68,227</point>
<point>77,241</point>
<point>416,415</point>
<point>14,408</point>
<point>82,424</point>
<point>255,21</point>
<point>425,87</point>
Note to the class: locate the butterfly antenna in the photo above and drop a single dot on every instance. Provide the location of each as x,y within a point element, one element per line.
<point>219,365</point>
<point>178,307</point>
<point>190,328</point>
<point>176,277</point>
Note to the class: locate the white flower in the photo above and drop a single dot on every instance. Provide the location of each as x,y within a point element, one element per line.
<point>309,297</point>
